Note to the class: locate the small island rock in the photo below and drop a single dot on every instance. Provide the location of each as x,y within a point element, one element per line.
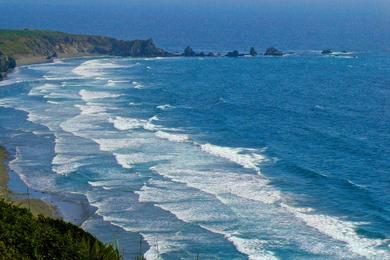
<point>233,54</point>
<point>189,52</point>
<point>273,52</point>
<point>253,52</point>
<point>326,52</point>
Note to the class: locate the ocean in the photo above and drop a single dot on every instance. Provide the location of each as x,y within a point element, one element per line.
<point>216,158</point>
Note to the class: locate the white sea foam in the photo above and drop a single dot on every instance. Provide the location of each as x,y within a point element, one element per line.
<point>180,138</point>
<point>137,85</point>
<point>113,83</point>
<point>42,90</point>
<point>123,160</point>
<point>111,145</point>
<point>124,123</point>
<point>253,248</point>
<point>57,78</point>
<point>91,108</point>
<point>94,68</point>
<point>127,161</point>
<point>344,231</point>
<point>66,168</point>
<point>87,95</point>
<point>149,125</point>
<point>192,206</point>
<point>165,107</point>
<point>248,186</point>
<point>242,156</point>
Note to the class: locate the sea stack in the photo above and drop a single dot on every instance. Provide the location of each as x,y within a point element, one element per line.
<point>253,52</point>
<point>273,52</point>
<point>189,52</point>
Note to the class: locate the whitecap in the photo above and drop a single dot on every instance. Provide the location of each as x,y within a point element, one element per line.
<point>344,231</point>
<point>113,83</point>
<point>172,137</point>
<point>137,85</point>
<point>242,156</point>
<point>123,123</point>
<point>94,68</point>
<point>42,89</point>
<point>165,107</point>
<point>91,108</point>
<point>122,159</point>
<point>87,95</point>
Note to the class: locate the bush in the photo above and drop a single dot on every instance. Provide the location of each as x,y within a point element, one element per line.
<point>23,236</point>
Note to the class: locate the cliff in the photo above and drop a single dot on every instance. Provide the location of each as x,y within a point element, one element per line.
<point>6,63</point>
<point>34,46</point>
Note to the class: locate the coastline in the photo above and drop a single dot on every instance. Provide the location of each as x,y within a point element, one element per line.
<point>37,206</point>
<point>69,207</point>
<point>31,60</point>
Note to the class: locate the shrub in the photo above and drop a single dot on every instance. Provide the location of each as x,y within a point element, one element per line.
<point>23,236</point>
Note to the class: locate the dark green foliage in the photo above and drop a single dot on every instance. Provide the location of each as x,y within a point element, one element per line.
<point>23,236</point>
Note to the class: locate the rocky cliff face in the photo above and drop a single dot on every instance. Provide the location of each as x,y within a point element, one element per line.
<point>6,63</point>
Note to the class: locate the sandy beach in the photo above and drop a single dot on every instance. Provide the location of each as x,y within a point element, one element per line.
<point>69,207</point>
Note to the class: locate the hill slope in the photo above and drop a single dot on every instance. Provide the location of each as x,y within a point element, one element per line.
<point>34,46</point>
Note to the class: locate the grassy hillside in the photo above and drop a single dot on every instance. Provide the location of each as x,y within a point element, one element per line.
<point>23,236</point>
<point>29,46</point>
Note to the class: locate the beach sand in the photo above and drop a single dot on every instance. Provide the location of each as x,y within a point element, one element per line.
<point>3,172</point>
<point>37,207</point>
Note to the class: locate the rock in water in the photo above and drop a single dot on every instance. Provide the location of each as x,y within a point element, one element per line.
<point>233,54</point>
<point>253,52</point>
<point>273,52</point>
<point>326,52</point>
<point>189,52</point>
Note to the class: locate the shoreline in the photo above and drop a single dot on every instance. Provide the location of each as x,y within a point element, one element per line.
<point>68,207</point>
<point>37,206</point>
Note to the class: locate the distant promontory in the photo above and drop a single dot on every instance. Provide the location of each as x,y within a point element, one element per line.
<point>36,46</point>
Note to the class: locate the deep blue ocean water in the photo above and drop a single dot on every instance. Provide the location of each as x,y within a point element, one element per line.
<point>259,158</point>
<point>215,25</point>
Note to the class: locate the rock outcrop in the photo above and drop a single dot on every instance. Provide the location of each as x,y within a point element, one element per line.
<point>253,52</point>
<point>273,52</point>
<point>233,54</point>
<point>327,52</point>
<point>6,64</point>
<point>189,52</point>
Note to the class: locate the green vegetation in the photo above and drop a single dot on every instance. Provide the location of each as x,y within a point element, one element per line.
<point>23,236</point>
<point>31,46</point>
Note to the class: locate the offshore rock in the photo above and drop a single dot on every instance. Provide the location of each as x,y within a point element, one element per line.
<point>273,52</point>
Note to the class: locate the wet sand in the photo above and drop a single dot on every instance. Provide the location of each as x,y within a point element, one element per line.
<point>37,207</point>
